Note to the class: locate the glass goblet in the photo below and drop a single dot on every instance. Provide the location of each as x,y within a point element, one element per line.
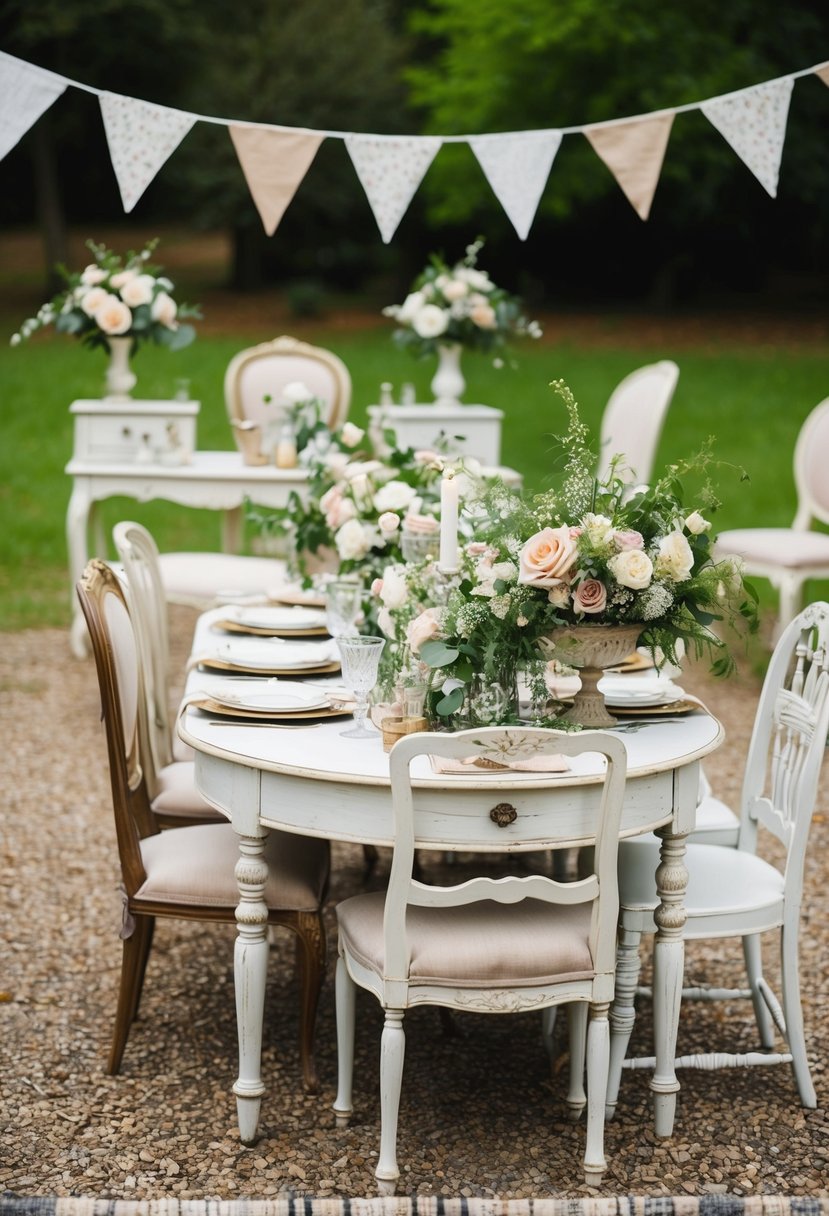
<point>360,661</point>
<point>343,604</point>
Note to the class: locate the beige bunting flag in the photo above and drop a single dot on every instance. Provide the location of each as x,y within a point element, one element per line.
<point>274,163</point>
<point>634,152</point>
<point>517,165</point>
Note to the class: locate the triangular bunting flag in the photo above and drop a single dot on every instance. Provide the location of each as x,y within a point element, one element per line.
<point>753,121</point>
<point>390,169</point>
<point>634,152</point>
<point>141,137</point>
<point>274,163</point>
<point>823,73</point>
<point>517,165</point>
<point>25,93</point>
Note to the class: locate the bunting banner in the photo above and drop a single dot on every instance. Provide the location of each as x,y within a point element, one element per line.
<point>634,152</point>
<point>753,122</point>
<point>390,169</point>
<point>274,163</point>
<point>141,137</point>
<point>26,92</point>
<point>274,159</point>
<point>517,165</point>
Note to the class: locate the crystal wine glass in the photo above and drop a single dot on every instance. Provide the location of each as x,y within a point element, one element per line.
<point>343,604</point>
<point>360,661</point>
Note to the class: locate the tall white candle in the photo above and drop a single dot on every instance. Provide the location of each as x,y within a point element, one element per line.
<point>448,558</point>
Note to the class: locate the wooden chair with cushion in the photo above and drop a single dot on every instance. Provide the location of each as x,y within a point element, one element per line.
<point>487,945</point>
<point>189,872</point>
<point>633,419</point>
<point>788,557</point>
<point>733,892</point>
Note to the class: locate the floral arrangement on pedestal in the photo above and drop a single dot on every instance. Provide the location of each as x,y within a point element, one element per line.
<point>455,308</point>
<point>585,552</point>
<point>116,297</point>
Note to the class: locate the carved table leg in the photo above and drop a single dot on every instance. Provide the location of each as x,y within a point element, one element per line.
<point>668,966</point>
<point>250,971</point>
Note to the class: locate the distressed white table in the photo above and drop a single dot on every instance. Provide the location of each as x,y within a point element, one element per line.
<point>314,782</point>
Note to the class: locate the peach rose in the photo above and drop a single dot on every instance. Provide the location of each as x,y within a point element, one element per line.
<point>547,558</point>
<point>590,596</point>
<point>113,316</point>
<point>422,629</point>
<point>164,309</point>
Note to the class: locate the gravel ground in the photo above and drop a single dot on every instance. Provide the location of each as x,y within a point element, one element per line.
<point>481,1114</point>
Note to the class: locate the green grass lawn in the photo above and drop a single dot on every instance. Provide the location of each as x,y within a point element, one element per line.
<point>753,400</point>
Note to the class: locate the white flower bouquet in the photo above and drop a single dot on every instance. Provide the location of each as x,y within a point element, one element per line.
<point>458,305</point>
<point>116,297</point>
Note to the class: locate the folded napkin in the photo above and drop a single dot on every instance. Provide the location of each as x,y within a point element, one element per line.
<point>551,763</point>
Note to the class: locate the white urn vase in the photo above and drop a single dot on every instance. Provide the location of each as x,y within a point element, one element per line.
<point>448,382</point>
<point>120,379</point>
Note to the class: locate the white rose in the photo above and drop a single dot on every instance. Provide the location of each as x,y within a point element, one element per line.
<point>138,289</point>
<point>113,316</point>
<point>675,558</point>
<point>92,275</point>
<point>388,523</point>
<point>478,280</point>
<point>395,590</point>
<point>353,541</point>
<point>455,289</point>
<point>164,310</point>
<point>631,568</point>
<point>351,434</point>
<point>430,321</point>
<point>393,496</point>
<point>696,524</point>
<point>295,392</point>
<point>598,528</point>
<point>121,277</point>
<point>411,306</point>
<point>90,301</point>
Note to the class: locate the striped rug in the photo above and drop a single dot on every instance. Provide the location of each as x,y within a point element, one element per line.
<point>418,1205</point>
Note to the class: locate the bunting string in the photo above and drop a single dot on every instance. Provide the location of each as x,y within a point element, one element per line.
<point>141,136</point>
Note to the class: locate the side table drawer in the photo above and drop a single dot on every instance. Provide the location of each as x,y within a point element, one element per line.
<point>125,432</point>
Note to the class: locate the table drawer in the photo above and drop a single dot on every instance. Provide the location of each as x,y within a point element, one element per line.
<point>136,431</point>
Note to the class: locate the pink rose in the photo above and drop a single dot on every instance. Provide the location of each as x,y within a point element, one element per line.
<point>425,524</point>
<point>547,558</point>
<point>590,596</point>
<point>629,540</point>
<point>376,586</point>
<point>422,629</point>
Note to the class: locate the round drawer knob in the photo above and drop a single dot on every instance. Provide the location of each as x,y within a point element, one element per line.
<point>503,814</point>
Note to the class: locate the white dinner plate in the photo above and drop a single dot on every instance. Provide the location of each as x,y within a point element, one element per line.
<point>643,691</point>
<point>280,617</point>
<point>266,653</point>
<point>276,696</point>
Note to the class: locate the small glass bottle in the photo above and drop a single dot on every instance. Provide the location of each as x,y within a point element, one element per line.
<point>285,456</point>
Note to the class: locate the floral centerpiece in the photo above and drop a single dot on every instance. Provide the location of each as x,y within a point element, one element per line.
<point>451,308</point>
<point>116,298</point>
<point>583,554</point>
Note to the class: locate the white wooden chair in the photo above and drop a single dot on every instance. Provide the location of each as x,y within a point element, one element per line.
<point>201,580</point>
<point>186,873</point>
<point>486,945</point>
<point>733,892</point>
<point>633,419</point>
<point>788,557</point>
<point>169,771</point>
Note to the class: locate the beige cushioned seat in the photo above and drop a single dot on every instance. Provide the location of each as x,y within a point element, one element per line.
<point>202,579</point>
<point>177,793</point>
<point>476,944</point>
<point>195,865</point>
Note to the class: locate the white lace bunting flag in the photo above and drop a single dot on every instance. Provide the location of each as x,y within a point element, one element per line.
<point>141,137</point>
<point>390,169</point>
<point>274,163</point>
<point>517,165</point>
<point>26,92</point>
<point>753,122</point>
<point>634,152</point>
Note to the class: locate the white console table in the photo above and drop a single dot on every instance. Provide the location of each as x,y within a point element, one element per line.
<point>470,430</point>
<point>218,481</point>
